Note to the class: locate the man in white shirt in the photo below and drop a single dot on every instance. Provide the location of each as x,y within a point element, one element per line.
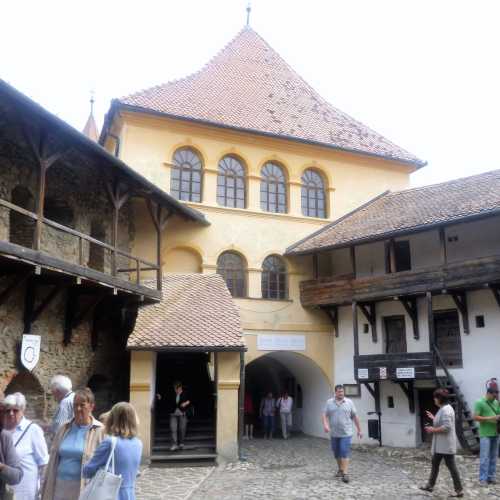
<point>62,390</point>
<point>285,405</point>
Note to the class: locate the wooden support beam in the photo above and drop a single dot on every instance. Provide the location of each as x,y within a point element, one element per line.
<point>352,252</point>
<point>160,218</point>
<point>408,390</point>
<point>392,255</point>
<point>355,328</point>
<point>442,245</point>
<point>371,389</point>
<point>430,321</point>
<point>80,316</point>
<point>56,290</point>
<point>18,281</point>
<point>29,305</point>
<point>460,299</point>
<point>410,305</point>
<point>315,266</point>
<point>496,294</point>
<point>333,314</point>
<point>369,311</point>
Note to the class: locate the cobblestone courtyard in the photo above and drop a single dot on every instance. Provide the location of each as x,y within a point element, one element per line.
<point>303,468</point>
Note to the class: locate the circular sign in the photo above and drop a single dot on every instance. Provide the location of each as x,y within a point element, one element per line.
<point>29,354</point>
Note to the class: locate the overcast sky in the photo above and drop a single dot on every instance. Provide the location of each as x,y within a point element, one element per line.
<point>423,73</point>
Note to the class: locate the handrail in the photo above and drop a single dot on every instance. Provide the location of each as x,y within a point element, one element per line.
<point>150,266</point>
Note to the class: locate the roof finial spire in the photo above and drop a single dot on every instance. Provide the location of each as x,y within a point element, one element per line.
<point>92,100</point>
<point>249,9</point>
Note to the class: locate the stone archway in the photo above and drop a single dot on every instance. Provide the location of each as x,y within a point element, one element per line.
<point>26,383</point>
<point>301,377</point>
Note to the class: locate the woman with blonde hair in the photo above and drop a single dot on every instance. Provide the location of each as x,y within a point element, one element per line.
<point>122,424</point>
<point>74,444</point>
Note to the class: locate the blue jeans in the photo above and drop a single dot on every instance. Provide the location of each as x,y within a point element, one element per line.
<point>488,455</point>
<point>341,446</point>
<point>268,424</point>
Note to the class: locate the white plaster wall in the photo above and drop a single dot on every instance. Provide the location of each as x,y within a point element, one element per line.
<point>370,259</point>
<point>475,239</point>
<point>479,350</point>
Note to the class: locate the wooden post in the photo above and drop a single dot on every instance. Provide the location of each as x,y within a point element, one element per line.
<point>460,299</point>
<point>315,266</point>
<point>352,251</point>
<point>160,219</point>
<point>355,328</point>
<point>430,321</point>
<point>392,255</point>
<point>442,244</point>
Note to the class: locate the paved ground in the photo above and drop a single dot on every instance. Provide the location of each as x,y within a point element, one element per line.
<point>302,468</point>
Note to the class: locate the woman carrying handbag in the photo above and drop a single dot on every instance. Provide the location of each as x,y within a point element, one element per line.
<point>122,448</point>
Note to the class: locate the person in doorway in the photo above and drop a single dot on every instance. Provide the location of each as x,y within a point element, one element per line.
<point>249,415</point>
<point>284,406</point>
<point>30,445</point>
<point>179,404</point>
<point>338,418</point>
<point>487,413</point>
<point>267,410</point>
<point>62,390</point>
<point>444,442</point>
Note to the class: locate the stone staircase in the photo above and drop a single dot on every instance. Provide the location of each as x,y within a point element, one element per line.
<point>199,445</point>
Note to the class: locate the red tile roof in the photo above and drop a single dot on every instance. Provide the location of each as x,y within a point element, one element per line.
<point>197,313</point>
<point>409,210</point>
<point>248,86</point>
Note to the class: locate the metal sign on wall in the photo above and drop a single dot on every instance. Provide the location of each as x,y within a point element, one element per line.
<point>268,342</point>
<point>405,372</point>
<point>30,351</point>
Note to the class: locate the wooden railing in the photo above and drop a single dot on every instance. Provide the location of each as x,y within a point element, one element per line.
<point>468,274</point>
<point>140,265</point>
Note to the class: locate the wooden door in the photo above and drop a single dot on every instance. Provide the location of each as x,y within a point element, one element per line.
<point>447,331</point>
<point>395,334</point>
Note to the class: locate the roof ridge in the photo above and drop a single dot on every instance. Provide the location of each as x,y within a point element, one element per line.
<point>451,181</point>
<point>339,220</point>
<point>194,73</point>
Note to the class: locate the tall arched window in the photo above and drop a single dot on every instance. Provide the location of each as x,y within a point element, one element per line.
<point>21,227</point>
<point>231,183</point>
<point>185,180</point>
<point>274,279</point>
<point>273,188</point>
<point>313,194</point>
<point>232,268</point>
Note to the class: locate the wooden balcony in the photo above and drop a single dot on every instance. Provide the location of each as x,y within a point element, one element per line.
<point>399,367</point>
<point>464,275</point>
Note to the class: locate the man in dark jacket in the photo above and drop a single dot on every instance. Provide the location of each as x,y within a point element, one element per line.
<point>178,406</point>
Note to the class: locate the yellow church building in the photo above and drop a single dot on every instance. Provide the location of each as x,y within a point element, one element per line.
<point>249,144</point>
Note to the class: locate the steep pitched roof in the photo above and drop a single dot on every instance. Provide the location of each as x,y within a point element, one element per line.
<point>197,313</point>
<point>90,129</point>
<point>248,86</point>
<point>409,210</point>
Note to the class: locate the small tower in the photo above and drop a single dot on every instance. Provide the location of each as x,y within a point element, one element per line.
<point>90,129</point>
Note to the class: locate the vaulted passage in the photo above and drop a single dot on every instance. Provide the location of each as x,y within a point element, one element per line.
<point>300,377</point>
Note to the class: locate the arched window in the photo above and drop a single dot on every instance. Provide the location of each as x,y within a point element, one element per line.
<point>185,180</point>
<point>274,279</point>
<point>58,210</point>
<point>313,194</point>
<point>273,189</point>
<point>231,183</point>
<point>232,268</point>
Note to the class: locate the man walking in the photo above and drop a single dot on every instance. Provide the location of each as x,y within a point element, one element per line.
<point>338,418</point>
<point>62,390</point>
<point>487,413</point>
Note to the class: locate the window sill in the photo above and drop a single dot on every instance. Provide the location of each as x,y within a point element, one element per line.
<point>263,299</point>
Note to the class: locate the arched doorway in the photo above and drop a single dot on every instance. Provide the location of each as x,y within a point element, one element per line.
<point>26,383</point>
<point>301,377</point>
